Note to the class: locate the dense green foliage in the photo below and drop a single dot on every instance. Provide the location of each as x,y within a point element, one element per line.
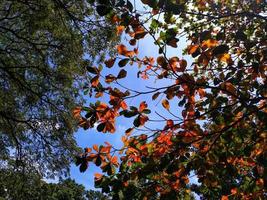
<point>30,186</point>
<point>43,46</point>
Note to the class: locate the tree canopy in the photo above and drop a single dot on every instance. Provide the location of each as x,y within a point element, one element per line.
<point>214,124</point>
<point>45,47</point>
<point>27,185</point>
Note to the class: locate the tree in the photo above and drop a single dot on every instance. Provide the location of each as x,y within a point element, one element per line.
<point>29,185</point>
<point>219,133</point>
<point>45,48</point>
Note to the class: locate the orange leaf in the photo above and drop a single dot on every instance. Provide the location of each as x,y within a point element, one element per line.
<point>98,176</point>
<point>95,147</point>
<point>225,58</point>
<point>143,119</point>
<point>120,29</point>
<point>109,127</point>
<point>110,62</point>
<point>115,19</point>
<point>165,103</point>
<point>114,160</point>
<point>192,49</point>
<point>224,197</point>
<point>143,105</point>
<point>201,92</point>
<point>102,106</point>
<point>209,43</point>
<point>122,50</point>
<point>123,105</point>
<point>233,191</point>
<point>110,78</point>
<point>98,94</point>
<point>77,112</point>
<point>88,150</point>
<point>95,81</point>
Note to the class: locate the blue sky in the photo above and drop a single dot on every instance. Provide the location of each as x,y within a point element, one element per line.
<point>89,137</point>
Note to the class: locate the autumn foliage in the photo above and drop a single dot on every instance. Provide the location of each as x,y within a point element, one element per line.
<point>218,136</point>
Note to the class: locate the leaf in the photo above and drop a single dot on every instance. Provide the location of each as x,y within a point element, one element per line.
<point>110,62</point>
<point>98,176</point>
<point>128,114</point>
<point>92,70</point>
<point>129,6</point>
<point>98,161</point>
<point>165,104</point>
<point>210,43</point>
<point>146,111</point>
<point>77,112</point>
<point>225,58</point>
<point>83,166</point>
<point>224,197</point>
<point>103,10</point>
<point>229,87</point>
<point>87,150</point>
<point>136,122</point>
<point>110,78</point>
<point>95,147</point>
<point>220,50</point>
<point>161,61</point>
<point>123,105</point>
<point>173,42</point>
<point>132,42</point>
<point>182,64</point>
<point>192,49</point>
<point>120,29</point>
<point>139,35</point>
<point>174,62</point>
<point>122,74</point>
<point>169,123</point>
<point>95,81</point>
<point>155,96</point>
<point>100,127</point>
<point>123,62</point>
<point>142,106</point>
<point>129,131</point>
<point>122,50</point>
<point>142,119</point>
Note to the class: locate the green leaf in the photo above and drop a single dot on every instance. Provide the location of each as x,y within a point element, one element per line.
<point>98,161</point>
<point>129,6</point>
<point>136,122</point>
<point>122,74</point>
<point>128,114</point>
<point>100,127</point>
<point>103,10</point>
<point>83,166</point>
<point>123,62</point>
<point>92,70</point>
<point>146,111</point>
<point>133,108</point>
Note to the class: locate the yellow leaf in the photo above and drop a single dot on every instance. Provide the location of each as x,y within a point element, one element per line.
<point>209,43</point>
<point>166,104</point>
<point>225,58</point>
